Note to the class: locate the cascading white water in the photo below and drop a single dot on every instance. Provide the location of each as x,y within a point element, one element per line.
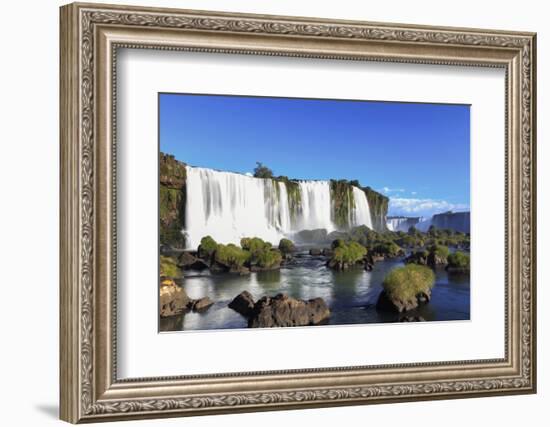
<point>229,206</point>
<point>360,214</point>
<point>316,206</point>
<point>401,223</point>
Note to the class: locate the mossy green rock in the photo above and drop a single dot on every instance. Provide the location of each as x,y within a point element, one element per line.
<point>405,288</point>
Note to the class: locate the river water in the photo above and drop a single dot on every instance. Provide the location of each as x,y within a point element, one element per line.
<point>351,295</point>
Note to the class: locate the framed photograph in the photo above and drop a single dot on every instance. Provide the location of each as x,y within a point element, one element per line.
<point>266,212</point>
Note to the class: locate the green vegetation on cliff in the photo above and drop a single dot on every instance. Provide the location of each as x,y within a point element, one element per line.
<point>172,196</point>
<point>168,267</point>
<point>378,204</point>
<point>405,283</point>
<point>341,193</point>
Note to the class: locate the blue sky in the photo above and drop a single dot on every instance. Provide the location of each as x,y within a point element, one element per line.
<point>417,154</point>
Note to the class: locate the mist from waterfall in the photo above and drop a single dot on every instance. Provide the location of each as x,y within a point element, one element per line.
<point>229,206</point>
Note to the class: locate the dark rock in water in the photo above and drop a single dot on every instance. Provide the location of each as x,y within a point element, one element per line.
<point>312,236</point>
<point>423,298</point>
<point>412,319</point>
<point>187,261</point>
<point>318,311</point>
<point>286,257</point>
<point>341,265</point>
<point>243,303</point>
<point>328,252</point>
<point>282,310</point>
<point>202,304</point>
<point>368,266</point>
<point>217,267</point>
<point>173,299</point>
<point>241,270</point>
<point>418,257</point>
<point>435,259</point>
<point>386,303</point>
<point>335,235</point>
<point>315,252</point>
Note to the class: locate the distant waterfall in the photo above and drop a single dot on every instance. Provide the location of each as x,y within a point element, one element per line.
<point>402,223</point>
<point>229,206</point>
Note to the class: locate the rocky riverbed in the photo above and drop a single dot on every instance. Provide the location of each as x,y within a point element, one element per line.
<point>350,296</point>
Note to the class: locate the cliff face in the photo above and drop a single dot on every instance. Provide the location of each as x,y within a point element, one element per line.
<point>458,221</point>
<point>172,200</point>
<point>378,204</point>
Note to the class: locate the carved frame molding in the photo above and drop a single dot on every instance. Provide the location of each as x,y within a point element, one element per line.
<point>90,37</point>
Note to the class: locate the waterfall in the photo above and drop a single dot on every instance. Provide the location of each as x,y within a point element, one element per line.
<point>229,206</point>
<point>360,214</point>
<point>316,206</point>
<point>402,223</point>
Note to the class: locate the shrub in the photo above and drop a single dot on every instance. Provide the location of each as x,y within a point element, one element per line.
<point>404,283</point>
<point>439,251</point>
<point>231,255</point>
<point>262,171</point>
<point>168,267</point>
<point>269,258</point>
<point>389,249</point>
<point>417,257</point>
<point>410,241</point>
<point>286,246</point>
<point>459,260</point>
<point>349,253</point>
<point>254,245</point>
<point>207,247</point>
<point>338,243</point>
<point>413,231</point>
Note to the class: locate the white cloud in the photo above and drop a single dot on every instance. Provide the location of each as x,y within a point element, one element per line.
<point>413,193</point>
<point>422,207</point>
<point>249,174</point>
<point>392,190</point>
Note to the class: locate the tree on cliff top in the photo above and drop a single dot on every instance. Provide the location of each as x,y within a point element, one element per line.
<point>262,171</point>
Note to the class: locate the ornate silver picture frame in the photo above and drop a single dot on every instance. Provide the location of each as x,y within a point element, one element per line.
<point>91,390</point>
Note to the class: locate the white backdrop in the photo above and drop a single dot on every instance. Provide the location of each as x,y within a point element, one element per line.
<point>29,169</point>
